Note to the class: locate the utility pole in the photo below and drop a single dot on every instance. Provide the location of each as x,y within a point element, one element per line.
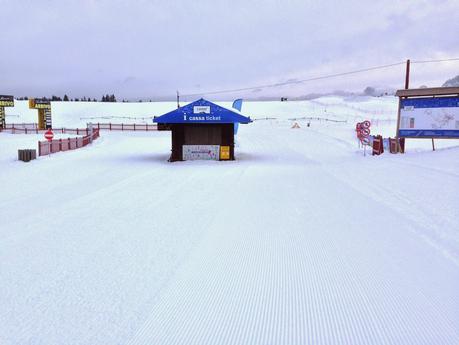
<point>407,75</point>
<point>178,100</point>
<point>407,85</point>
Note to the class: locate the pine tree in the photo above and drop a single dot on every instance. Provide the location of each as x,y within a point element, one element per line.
<point>66,98</point>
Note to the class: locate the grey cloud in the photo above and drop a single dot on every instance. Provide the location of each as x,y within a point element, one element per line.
<point>152,48</point>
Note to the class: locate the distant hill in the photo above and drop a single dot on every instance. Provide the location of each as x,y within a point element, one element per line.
<point>452,82</point>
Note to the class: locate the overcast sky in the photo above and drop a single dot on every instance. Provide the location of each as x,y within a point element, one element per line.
<point>149,49</point>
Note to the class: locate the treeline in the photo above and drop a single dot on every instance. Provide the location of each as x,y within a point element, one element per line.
<point>105,98</point>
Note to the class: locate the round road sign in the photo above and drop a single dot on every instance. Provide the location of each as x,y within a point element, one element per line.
<point>49,135</point>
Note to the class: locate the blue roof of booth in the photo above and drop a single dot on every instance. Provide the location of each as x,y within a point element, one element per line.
<point>202,111</point>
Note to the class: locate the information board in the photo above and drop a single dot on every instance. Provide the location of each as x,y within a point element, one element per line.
<point>433,117</point>
<point>201,152</point>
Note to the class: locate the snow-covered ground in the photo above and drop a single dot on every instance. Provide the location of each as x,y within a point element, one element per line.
<point>301,240</point>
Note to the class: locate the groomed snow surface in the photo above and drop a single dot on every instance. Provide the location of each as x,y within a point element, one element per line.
<point>301,240</point>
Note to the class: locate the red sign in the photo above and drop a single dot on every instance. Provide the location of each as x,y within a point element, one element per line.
<point>363,131</point>
<point>49,135</point>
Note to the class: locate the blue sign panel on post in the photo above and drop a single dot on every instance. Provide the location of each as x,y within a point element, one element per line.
<point>429,117</point>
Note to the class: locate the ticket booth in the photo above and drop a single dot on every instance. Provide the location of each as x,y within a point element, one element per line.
<point>201,130</point>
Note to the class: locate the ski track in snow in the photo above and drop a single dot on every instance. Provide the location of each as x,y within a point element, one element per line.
<point>301,240</point>
<point>277,276</point>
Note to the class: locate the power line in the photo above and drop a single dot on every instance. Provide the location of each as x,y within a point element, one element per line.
<point>439,60</point>
<point>316,78</point>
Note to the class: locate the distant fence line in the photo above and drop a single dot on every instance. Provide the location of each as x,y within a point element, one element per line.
<point>32,128</point>
<point>150,118</point>
<point>264,118</point>
<point>317,118</point>
<point>77,131</point>
<point>349,106</point>
<point>19,126</point>
<point>125,126</point>
<point>58,145</point>
<point>299,118</point>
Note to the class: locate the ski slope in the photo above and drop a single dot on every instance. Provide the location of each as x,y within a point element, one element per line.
<point>301,240</point>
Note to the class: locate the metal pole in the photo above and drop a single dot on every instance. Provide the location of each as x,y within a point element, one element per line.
<point>433,145</point>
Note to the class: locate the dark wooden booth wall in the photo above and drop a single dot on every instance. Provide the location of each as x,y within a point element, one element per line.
<point>201,134</point>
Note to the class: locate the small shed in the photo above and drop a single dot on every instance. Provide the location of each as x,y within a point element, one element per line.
<point>201,130</point>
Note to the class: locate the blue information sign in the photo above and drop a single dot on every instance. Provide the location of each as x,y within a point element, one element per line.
<point>433,117</point>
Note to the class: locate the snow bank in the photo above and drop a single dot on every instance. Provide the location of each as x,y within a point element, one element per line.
<point>301,240</point>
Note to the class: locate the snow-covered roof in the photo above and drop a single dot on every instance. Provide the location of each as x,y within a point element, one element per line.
<point>202,111</point>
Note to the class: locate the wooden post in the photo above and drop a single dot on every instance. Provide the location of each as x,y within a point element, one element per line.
<point>399,149</point>
<point>433,145</point>
<point>407,85</point>
<point>178,100</point>
<point>407,75</point>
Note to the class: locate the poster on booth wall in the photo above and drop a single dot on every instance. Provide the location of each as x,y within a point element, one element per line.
<point>435,117</point>
<point>201,152</point>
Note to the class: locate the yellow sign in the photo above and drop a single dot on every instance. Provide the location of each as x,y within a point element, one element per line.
<point>6,101</point>
<point>224,153</point>
<point>39,104</point>
<point>6,104</point>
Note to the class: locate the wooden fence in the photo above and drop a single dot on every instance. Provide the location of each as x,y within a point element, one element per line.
<point>53,146</point>
<point>32,128</point>
<point>126,126</point>
<point>77,131</point>
<point>20,126</point>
